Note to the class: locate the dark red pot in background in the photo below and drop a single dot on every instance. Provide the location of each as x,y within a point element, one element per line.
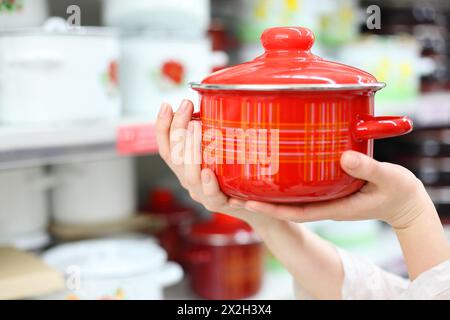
<point>224,259</point>
<point>163,204</point>
<point>293,112</point>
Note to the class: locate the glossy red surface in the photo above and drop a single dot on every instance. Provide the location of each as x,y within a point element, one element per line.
<point>285,146</point>
<point>219,224</point>
<point>223,269</point>
<point>288,60</point>
<point>164,205</point>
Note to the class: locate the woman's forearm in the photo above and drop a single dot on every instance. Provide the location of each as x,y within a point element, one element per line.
<point>423,241</point>
<point>314,263</point>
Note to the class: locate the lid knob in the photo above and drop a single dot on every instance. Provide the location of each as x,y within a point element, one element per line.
<point>287,38</point>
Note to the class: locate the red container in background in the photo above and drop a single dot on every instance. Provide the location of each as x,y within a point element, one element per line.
<point>224,258</point>
<point>163,204</point>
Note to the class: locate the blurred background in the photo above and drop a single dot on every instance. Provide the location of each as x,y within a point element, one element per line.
<point>88,210</point>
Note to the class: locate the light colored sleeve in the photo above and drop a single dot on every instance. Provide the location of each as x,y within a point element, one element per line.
<point>364,280</point>
<point>432,284</point>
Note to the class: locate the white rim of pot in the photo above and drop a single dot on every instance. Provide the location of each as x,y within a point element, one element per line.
<point>148,257</point>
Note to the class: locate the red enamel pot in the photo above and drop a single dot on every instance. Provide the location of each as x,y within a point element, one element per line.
<point>274,128</point>
<point>224,258</point>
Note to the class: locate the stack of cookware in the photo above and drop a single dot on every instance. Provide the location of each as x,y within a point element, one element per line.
<point>79,194</point>
<point>161,54</point>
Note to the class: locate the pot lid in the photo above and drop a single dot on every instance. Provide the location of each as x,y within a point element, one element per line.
<point>57,26</point>
<point>289,64</point>
<point>220,224</point>
<point>223,229</point>
<point>108,257</point>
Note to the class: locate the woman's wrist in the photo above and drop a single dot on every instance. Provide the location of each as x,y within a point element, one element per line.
<point>264,225</point>
<point>423,240</point>
<point>418,208</point>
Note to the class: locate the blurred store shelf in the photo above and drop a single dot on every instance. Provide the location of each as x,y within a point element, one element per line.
<point>277,285</point>
<point>47,144</point>
<point>427,110</point>
<point>31,145</point>
<point>433,110</point>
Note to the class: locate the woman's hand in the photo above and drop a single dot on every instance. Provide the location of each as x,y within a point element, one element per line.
<point>179,142</point>
<point>392,194</point>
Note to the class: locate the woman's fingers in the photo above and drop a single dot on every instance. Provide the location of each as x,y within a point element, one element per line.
<point>178,132</point>
<point>193,153</point>
<point>340,209</point>
<point>163,123</point>
<point>214,199</point>
<point>192,159</point>
<point>366,168</point>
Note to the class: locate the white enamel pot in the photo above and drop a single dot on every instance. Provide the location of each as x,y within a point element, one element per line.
<point>93,192</point>
<point>23,205</point>
<point>58,74</point>
<point>156,68</point>
<point>134,269</point>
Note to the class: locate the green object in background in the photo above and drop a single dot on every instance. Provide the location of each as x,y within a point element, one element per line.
<point>254,16</point>
<point>349,234</point>
<point>11,5</point>
<point>339,25</point>
<point>394,60</point>
<point>271,263</point>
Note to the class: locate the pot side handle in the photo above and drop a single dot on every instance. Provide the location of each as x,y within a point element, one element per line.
<point>383,127</point>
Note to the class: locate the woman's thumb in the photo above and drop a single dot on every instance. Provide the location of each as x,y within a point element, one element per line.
<point>363,167</point>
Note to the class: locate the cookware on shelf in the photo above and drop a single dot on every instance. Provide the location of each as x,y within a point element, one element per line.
<point>22,13</point>
<point>274,128</point>
<point>224,258</point>
<point>24,209</point>
<point>441,200</point>
<point>395,60</point>
<point>178,16</point>
<point>426,143</point>
<point>110,269</point>
<point>176,217</point>
<point>157,67</point>
<point>93,192</point>
<point>431,171</point>
<point>254,16</point>
<point>57,73</point>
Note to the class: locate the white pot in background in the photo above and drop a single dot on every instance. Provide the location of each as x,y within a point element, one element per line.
<point>57,74</point>
<point>113,269</point>
<point>182,16</point>
<point>23,207</point>
<point>93,192</point>
<point>23,13</point>
<point>156,69</point>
